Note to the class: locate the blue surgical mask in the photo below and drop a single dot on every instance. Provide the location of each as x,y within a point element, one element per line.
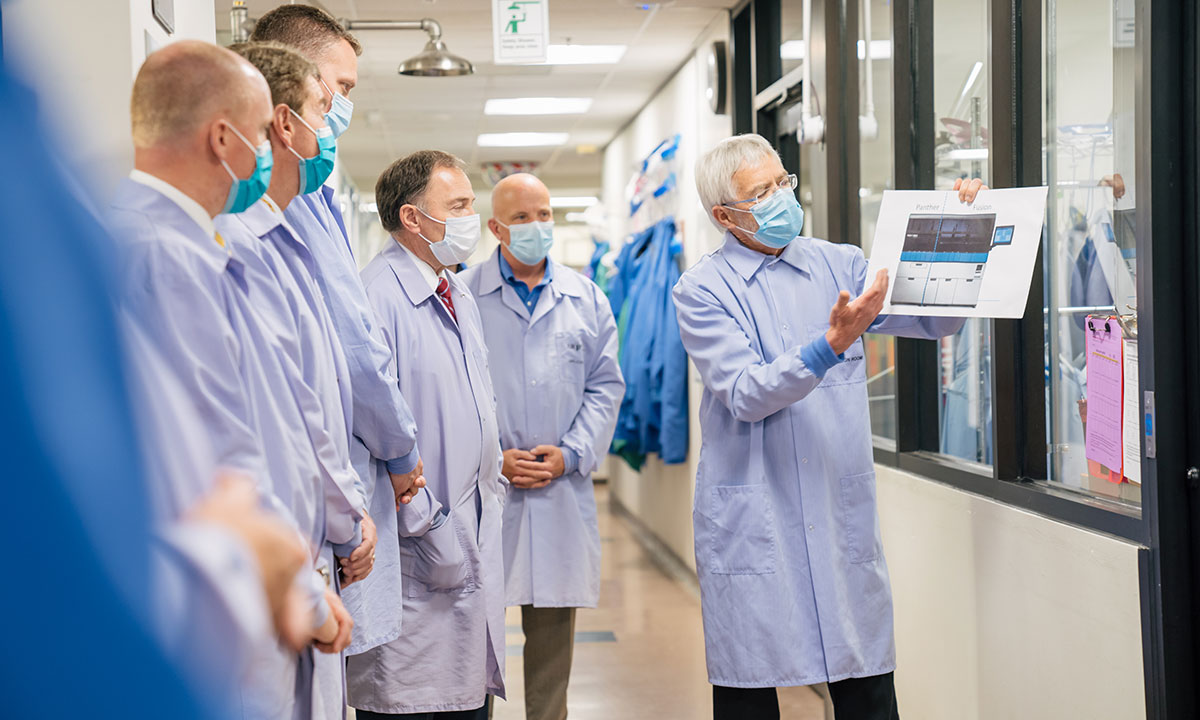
<point>529,242</point>
<point>780,219</point>
<point>244,193</point>
<point>338,117</point>
<point>314,171</point>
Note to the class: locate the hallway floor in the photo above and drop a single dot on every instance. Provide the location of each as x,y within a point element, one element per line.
<point>640,655</point>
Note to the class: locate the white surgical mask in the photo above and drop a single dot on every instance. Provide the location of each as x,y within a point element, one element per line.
<point>462,237</point>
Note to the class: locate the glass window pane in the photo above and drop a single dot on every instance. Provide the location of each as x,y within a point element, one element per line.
<point>875,176</point>
<point>1090,248</point>
<point>960,94</point>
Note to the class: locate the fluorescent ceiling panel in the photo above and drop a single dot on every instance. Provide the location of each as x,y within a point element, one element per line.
<point>880,50</point>
<point>584,54</point>
<point>522,139</point>
<point>537,106</point>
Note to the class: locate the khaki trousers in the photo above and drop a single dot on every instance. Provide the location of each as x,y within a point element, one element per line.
<point>549,647</point>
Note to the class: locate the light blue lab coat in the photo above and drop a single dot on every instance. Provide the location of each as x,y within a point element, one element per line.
<point>379,416</point>
<point>794,586</point>
<point>558,382</point>
<point>187,294</point>
<point>210,607</point>
<point>284,290</point>
<point>285,295</point>
<point>75,481</point>
<point>452,647</point>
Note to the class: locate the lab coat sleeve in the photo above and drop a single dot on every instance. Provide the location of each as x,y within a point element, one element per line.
<point>191,330</point>
<point>382,417</point>
<point>732,369</point>
<point>424,512</point>
<point>345,496</point>
<point>592,429</point>
<point>209,601</point>
<point>921,328</point>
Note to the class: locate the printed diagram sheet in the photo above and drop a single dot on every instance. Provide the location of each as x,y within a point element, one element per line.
<point>949,259</point>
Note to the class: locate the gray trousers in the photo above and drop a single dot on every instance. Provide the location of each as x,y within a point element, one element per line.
<point>549,647</point>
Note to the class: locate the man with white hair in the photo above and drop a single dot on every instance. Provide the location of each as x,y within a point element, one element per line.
<point>794,587</point>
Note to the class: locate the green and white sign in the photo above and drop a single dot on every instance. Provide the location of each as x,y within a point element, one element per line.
<point>520,31</point>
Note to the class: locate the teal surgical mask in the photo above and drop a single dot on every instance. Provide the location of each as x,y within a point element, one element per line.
<point>338,117</point>
<point>314,171</point>
<point>244,193</point>
<point>530,242</point>
<point>780,218</point>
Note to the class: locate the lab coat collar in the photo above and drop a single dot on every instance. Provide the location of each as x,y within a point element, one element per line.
<point>262,217</point>
<point>747,262</point>
<point>162,211</point>
<point>558,279</point>
<point>193,209</point>
<point>405,267</point>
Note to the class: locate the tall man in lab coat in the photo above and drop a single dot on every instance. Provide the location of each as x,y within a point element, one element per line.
<point>379,416</point>
<point>552,341</point>
<point>282,287</point>
<point>794,586</point>
<point>199,116</point>
<point>451,653</point>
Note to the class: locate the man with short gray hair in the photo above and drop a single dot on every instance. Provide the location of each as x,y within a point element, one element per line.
<point>450,657</point>
<point>794,587</point>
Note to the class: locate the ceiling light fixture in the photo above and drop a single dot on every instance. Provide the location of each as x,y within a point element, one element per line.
<point>579,201</point>
<point>434,61</point>
<point>584,54</point>
<point>521,139</point>
<point>537,106</point>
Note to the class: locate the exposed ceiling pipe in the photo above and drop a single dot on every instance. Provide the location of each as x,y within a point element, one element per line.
<point>868,125</point>
<point>811,128</point>
<point>434,61</point>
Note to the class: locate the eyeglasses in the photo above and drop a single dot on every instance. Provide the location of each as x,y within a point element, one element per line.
<point>790,182</point>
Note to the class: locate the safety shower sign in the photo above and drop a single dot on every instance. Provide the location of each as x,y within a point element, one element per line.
<point>955,260</point>
<point>520,31</point>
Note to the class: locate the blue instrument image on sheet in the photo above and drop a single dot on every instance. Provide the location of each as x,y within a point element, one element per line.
<point>944,257</point>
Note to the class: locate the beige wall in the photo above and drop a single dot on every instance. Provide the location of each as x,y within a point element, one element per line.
<point>1001,613</point>
<point>661,495</point>
<point>80,56</point>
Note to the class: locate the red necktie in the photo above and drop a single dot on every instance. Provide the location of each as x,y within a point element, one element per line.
<point>443,291</point>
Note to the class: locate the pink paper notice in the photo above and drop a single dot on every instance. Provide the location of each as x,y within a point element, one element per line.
<point>1104,388</point>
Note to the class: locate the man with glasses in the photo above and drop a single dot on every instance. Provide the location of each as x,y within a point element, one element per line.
<point>794,587</point>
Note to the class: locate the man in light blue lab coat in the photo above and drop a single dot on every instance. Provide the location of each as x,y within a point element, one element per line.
<point>197,112</point>
<point>450,656</point>
<point>211,579</point>
<point>282,287</point>
<point>552,341</point>
<point>794,586</point>
<point>381,420</point>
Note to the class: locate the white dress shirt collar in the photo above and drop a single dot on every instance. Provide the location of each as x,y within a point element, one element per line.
<point>192,208</point>
<point>423,267</point>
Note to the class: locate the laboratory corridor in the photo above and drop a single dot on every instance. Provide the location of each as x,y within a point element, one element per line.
<point>640,654</point>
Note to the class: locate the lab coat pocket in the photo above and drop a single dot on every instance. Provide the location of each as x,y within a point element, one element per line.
<point>851,370</point>
<point>743,538</point>
<point>857,499</point>
<point>440,560</point>
<point>570,355</point>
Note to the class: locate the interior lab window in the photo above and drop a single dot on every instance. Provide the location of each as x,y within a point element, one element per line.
<point>811,172</point>
<point>960,97</point>
<point>1090,253</point>
<point>875,176</point>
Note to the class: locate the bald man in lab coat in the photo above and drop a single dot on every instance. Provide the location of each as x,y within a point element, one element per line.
<point>552,341</point>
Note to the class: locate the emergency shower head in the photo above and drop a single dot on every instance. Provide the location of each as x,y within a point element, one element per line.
<point>434,61</point>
